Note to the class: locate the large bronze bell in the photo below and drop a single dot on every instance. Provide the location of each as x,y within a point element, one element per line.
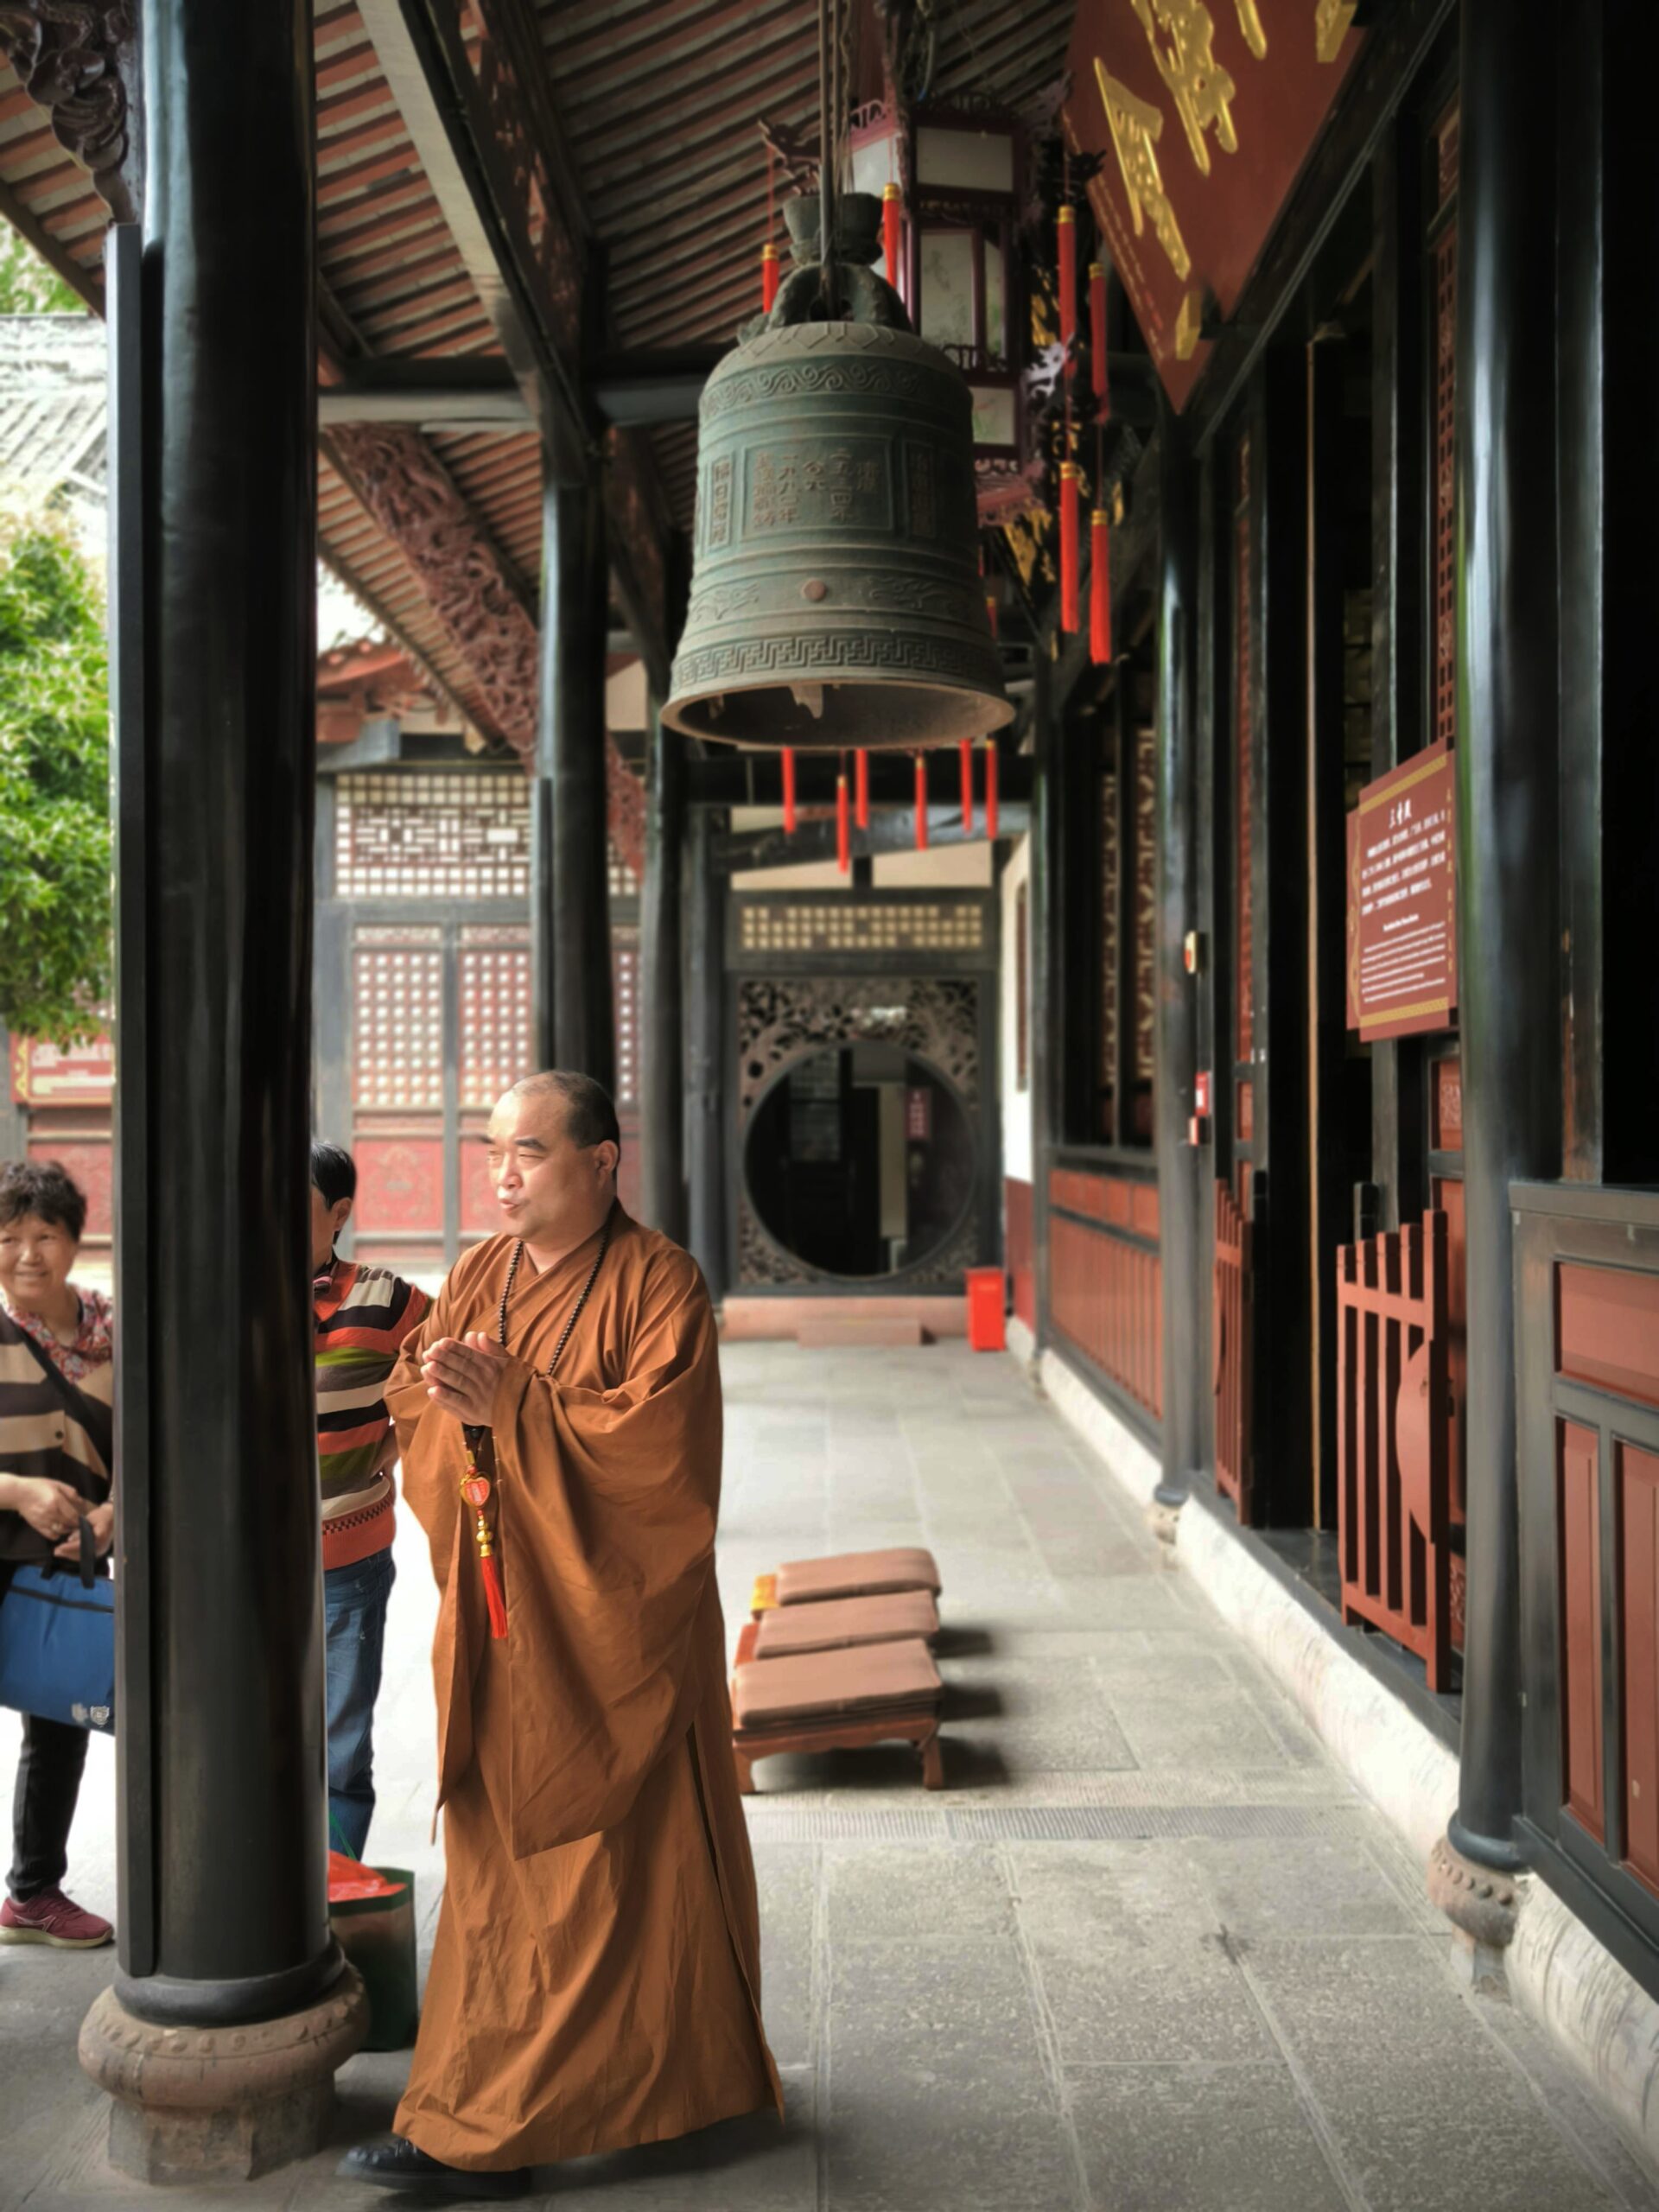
<point>835,599</point>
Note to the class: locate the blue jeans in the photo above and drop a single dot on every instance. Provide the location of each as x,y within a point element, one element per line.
<point>354,1618</point>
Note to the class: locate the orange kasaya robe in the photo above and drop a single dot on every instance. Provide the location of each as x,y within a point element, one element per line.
<point>596,1977</point>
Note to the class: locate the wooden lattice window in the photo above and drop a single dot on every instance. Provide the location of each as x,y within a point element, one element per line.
<point>1243,747</point>
<point>841,925</point>
<point>495,1024</point>
<point>463,833</point>
<point>397,1020</point>
<point>1111,862</point>
<point>1443,257</point>
<point>1145,911</point>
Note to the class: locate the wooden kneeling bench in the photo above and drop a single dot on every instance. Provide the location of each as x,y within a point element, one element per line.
<point>838,1701</point>
<point>838,1624</point>
<point>847,1574</point>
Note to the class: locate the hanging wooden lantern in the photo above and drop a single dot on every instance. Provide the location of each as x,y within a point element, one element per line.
<point>1100,587</point>
<point>990,789</point>
<point>770,270</point>
<point>1097,329</point>
<point>843,836</point>
<point>921,802</point>
<point>893,212</point>
<point>835,600</point>
<point>861,786</point>
<point>1070,548</point>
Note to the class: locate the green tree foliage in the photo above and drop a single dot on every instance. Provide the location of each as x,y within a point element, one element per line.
<point>55,773</point>
<point>27,285</point>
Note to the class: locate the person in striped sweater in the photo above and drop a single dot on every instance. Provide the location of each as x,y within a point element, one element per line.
<point>363,1314</point>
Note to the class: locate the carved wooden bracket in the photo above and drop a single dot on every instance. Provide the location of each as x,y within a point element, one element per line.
<point>70,57</point>
<point>403,484</point>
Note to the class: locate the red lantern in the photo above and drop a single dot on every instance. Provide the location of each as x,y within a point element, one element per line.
<point>789,790</point>
<point>1070,493</point>
<point>1098,333</point>
<point>990,789</point>
<point>861,787</point>
<point>966,751</point>
<point>1100,587</point>
<point>891,217</point>
<point>843,833</point>
<point>1066,226</point>
<point>921,802</point>
<point>770,273</point>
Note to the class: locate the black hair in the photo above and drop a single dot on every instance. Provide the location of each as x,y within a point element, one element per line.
<point>45,1189</point>
<point>333,1173</point>
<point>590,1117</point>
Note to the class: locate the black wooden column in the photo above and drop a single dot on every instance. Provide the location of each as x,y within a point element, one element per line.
<point>1175,1031</point>
<point>570,931</point>
<point>707,1101</point>
<point>1507,799</point>
<point>223,1907</point>
<point>1047,1067</point>
<point>661,1043</point>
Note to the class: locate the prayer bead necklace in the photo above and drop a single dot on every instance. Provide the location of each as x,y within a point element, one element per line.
<point>576,1311</point>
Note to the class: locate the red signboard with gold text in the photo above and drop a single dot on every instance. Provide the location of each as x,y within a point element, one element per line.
<point>62,1074</point>
<point>1203,116</point>
<point>1402,908</point>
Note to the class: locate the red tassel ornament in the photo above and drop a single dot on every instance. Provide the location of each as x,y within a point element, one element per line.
<point>892,225</point>
<point>475,1492</point>
<point>921,802</point>
<point>1100,587</point>
<point>771,271</point>
<point>1098,333</point>
<point>990,789</point>
<point>1066,240</point>
<point>861,788</point>
<point>843,832</point>
<point>789,790</point>
<point>1070,495</point>
<point>966,751</point>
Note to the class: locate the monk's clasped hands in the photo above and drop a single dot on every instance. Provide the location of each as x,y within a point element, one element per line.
<point>461,1374</point>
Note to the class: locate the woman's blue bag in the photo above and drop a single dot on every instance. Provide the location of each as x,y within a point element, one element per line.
<point>57,1642</point>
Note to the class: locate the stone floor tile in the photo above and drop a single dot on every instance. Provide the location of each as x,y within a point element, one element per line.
<point>1300,1889</point>
<point>1199,2139</point>
<point>906,2134</point>
<point>787,1875</point>
<point>1168,1725</point>
<point>949,1892</point>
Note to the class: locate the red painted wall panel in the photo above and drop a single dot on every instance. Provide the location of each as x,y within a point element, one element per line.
<point>1607,1330</point>
<point>1578,1507</point>
<point>1637,1474</point>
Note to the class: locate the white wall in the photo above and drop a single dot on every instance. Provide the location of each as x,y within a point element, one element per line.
<point>1016,1104</point>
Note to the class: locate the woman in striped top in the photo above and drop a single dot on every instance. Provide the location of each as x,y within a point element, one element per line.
<point>56,1466</point>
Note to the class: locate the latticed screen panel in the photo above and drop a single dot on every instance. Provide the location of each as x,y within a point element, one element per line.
<point>397,1020</point>
<point>464,834</point>
<point>1243,730</point>
<point>624,979</point>
<point>1110,866</point>
<point>841,925</point>
<point>1146,906</point>
<point>495,1020</point>
<point>621,879</point>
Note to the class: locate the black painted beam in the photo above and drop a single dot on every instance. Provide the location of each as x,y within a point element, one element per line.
<point>662,1025</point>
<point>632,390</point>
<point>706,1079</point>
<point>442,394</point>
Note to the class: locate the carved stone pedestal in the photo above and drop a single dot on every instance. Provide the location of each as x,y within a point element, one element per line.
<point>195,2104</point>
<point>1484,1906</point>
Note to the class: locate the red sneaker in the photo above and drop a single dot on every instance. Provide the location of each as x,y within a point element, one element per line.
<point>53,1918</point>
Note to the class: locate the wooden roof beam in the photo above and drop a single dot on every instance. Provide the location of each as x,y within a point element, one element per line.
<point>635,388</point>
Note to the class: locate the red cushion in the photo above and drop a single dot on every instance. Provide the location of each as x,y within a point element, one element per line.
<point>835,1623</point>
<point>856,1574</point>
<point>820,1685</point>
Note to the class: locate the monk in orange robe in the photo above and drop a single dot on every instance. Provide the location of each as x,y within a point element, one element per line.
<point>596,1980</point>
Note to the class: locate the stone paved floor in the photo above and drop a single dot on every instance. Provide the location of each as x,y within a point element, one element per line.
<point>1150,1953</point>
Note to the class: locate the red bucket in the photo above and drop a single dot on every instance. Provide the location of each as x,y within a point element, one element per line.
<point>987,1298</point>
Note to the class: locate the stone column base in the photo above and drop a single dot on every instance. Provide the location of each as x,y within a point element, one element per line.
<point>1484,1906</point>
<point>194,2104</point>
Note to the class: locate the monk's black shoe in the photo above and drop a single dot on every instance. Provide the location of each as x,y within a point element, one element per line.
<point>395,2163</point>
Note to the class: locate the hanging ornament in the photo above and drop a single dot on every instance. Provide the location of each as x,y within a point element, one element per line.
<point>861,787</point>
<point>966,752</point>
<point>921,802</point>
<point>789,790</point>
<point>475,1492</point>
<point>1100,587</point>
<point>843,833</point>
<point>1097,332</point>
<point>1066,237</point>
<point>1071,477</point>
<point>891,229</point>
<point>990,789</point>
<point>770,273</point>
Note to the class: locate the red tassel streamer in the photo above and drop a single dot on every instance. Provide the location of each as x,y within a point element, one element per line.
<point>789,790</point>
<point>494,1599</point>
<point>1100,587</point>
<point>843,831</point>
<point>770,273</point>
<point>1070,616</point>
<point>965,749</point>
<point>990,789</point>
<point>990,613</point>
<point>1098,334</point>
<point>892,220</point>
<point>861,788</point>
<point>1066,226</point>
<point>921,802</point>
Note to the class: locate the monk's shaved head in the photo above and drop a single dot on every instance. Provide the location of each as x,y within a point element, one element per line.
<point>589,1116</point>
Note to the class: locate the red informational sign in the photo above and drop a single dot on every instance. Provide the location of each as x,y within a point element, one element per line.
<point>1204,115</point>
<point>56,1075</point>
<point>1402,915</point>
<point>918,1116</point>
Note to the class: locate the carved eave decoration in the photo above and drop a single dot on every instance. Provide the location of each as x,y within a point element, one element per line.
<point>77,60</point>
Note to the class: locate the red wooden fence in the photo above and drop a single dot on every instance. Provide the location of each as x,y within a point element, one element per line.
<point>1393,1443</point>
<point>1105,1277</point>
<point>1231,1352</point>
